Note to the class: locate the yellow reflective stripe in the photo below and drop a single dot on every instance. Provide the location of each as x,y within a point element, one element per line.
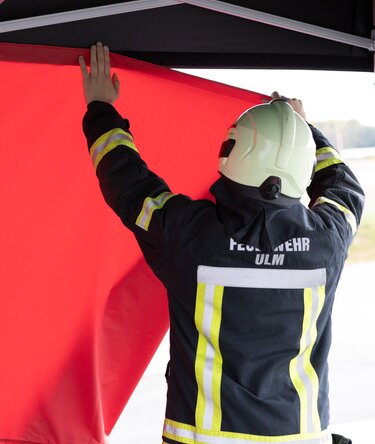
<point>150,205</point>
<point>209,362</point>
<point>309,369</point>
<point>326,163</point>
<point>186,433</point>
<point>350,218</point>
<point>326,157</point>
<point>218,359</point>
<point>201,355</point>
<point>108,141</point>
<point>302,373</point>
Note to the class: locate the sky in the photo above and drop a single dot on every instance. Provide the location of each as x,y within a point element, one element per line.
<point>326,94</point>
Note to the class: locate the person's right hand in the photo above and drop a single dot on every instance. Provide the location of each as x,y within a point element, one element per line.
<point>296,104</point>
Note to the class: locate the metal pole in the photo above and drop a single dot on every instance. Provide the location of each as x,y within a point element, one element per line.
<point>83,14</point>
<point>281,22</point>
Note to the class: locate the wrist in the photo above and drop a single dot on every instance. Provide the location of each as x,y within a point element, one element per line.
<point>97,99</point>
<point>97,105</point>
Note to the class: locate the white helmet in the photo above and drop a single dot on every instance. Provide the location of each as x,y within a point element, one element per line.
<point>270,147</point>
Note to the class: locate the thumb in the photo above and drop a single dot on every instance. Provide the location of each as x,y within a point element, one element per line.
<point>116,83</point>
<point>275,95</point>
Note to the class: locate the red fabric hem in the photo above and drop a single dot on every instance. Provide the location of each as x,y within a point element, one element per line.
<point>57,55</point>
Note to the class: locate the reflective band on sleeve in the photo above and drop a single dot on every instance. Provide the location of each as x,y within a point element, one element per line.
<point>185,433</point>
<point>326,157</point>
<point>302,373</point>
<point>209,362</point>
<point>261,277</point>
<point>108,141</point>
<point>151,204</point>
<point>350,218</point>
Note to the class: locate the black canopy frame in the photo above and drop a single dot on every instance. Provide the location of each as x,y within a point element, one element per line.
<point>360,48</point>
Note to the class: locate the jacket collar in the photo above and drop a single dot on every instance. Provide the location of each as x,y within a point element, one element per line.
<point>248,217</point>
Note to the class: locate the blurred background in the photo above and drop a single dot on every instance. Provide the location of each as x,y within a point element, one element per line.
<point>342,105</point>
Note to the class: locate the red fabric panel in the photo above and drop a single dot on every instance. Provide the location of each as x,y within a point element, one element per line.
<point>81,314</point>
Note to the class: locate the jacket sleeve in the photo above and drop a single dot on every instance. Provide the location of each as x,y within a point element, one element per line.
<point>335,193</point>
<point>137,195</point>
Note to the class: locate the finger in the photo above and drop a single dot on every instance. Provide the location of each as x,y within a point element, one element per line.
<point>107,62</point>
<point>116,83</point>
<point>100,57</point>
<point>275,95</point>
<point>93,62</point>
<point>84,70</point>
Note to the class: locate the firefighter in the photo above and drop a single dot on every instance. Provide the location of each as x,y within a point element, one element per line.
<point>250,279</point>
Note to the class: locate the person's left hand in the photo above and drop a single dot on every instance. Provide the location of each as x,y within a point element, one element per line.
<point>98,84</point>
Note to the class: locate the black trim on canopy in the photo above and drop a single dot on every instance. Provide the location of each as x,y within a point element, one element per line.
<point>189,36</point>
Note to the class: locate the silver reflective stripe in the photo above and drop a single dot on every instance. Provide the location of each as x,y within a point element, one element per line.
<point>113,138</point>
<point>261,277</point>
<point>191,435</point>
<point>149,206</point>
<point>349,216</point>
<point>325,156</point>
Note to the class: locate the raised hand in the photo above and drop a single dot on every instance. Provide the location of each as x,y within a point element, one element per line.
<point>296,104</point>
<point>98,83</point>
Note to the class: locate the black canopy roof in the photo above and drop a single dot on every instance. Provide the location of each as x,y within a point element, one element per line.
<point>193,34</point>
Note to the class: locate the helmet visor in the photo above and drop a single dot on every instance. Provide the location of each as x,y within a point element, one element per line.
<point>226,147</point>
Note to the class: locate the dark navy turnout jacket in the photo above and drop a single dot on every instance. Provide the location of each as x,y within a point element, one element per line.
<point>250,287</point>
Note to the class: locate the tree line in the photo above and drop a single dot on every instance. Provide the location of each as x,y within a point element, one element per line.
<point>347,134</point>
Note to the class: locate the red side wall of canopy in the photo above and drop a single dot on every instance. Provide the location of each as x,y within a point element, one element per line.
<point>80,313</point>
